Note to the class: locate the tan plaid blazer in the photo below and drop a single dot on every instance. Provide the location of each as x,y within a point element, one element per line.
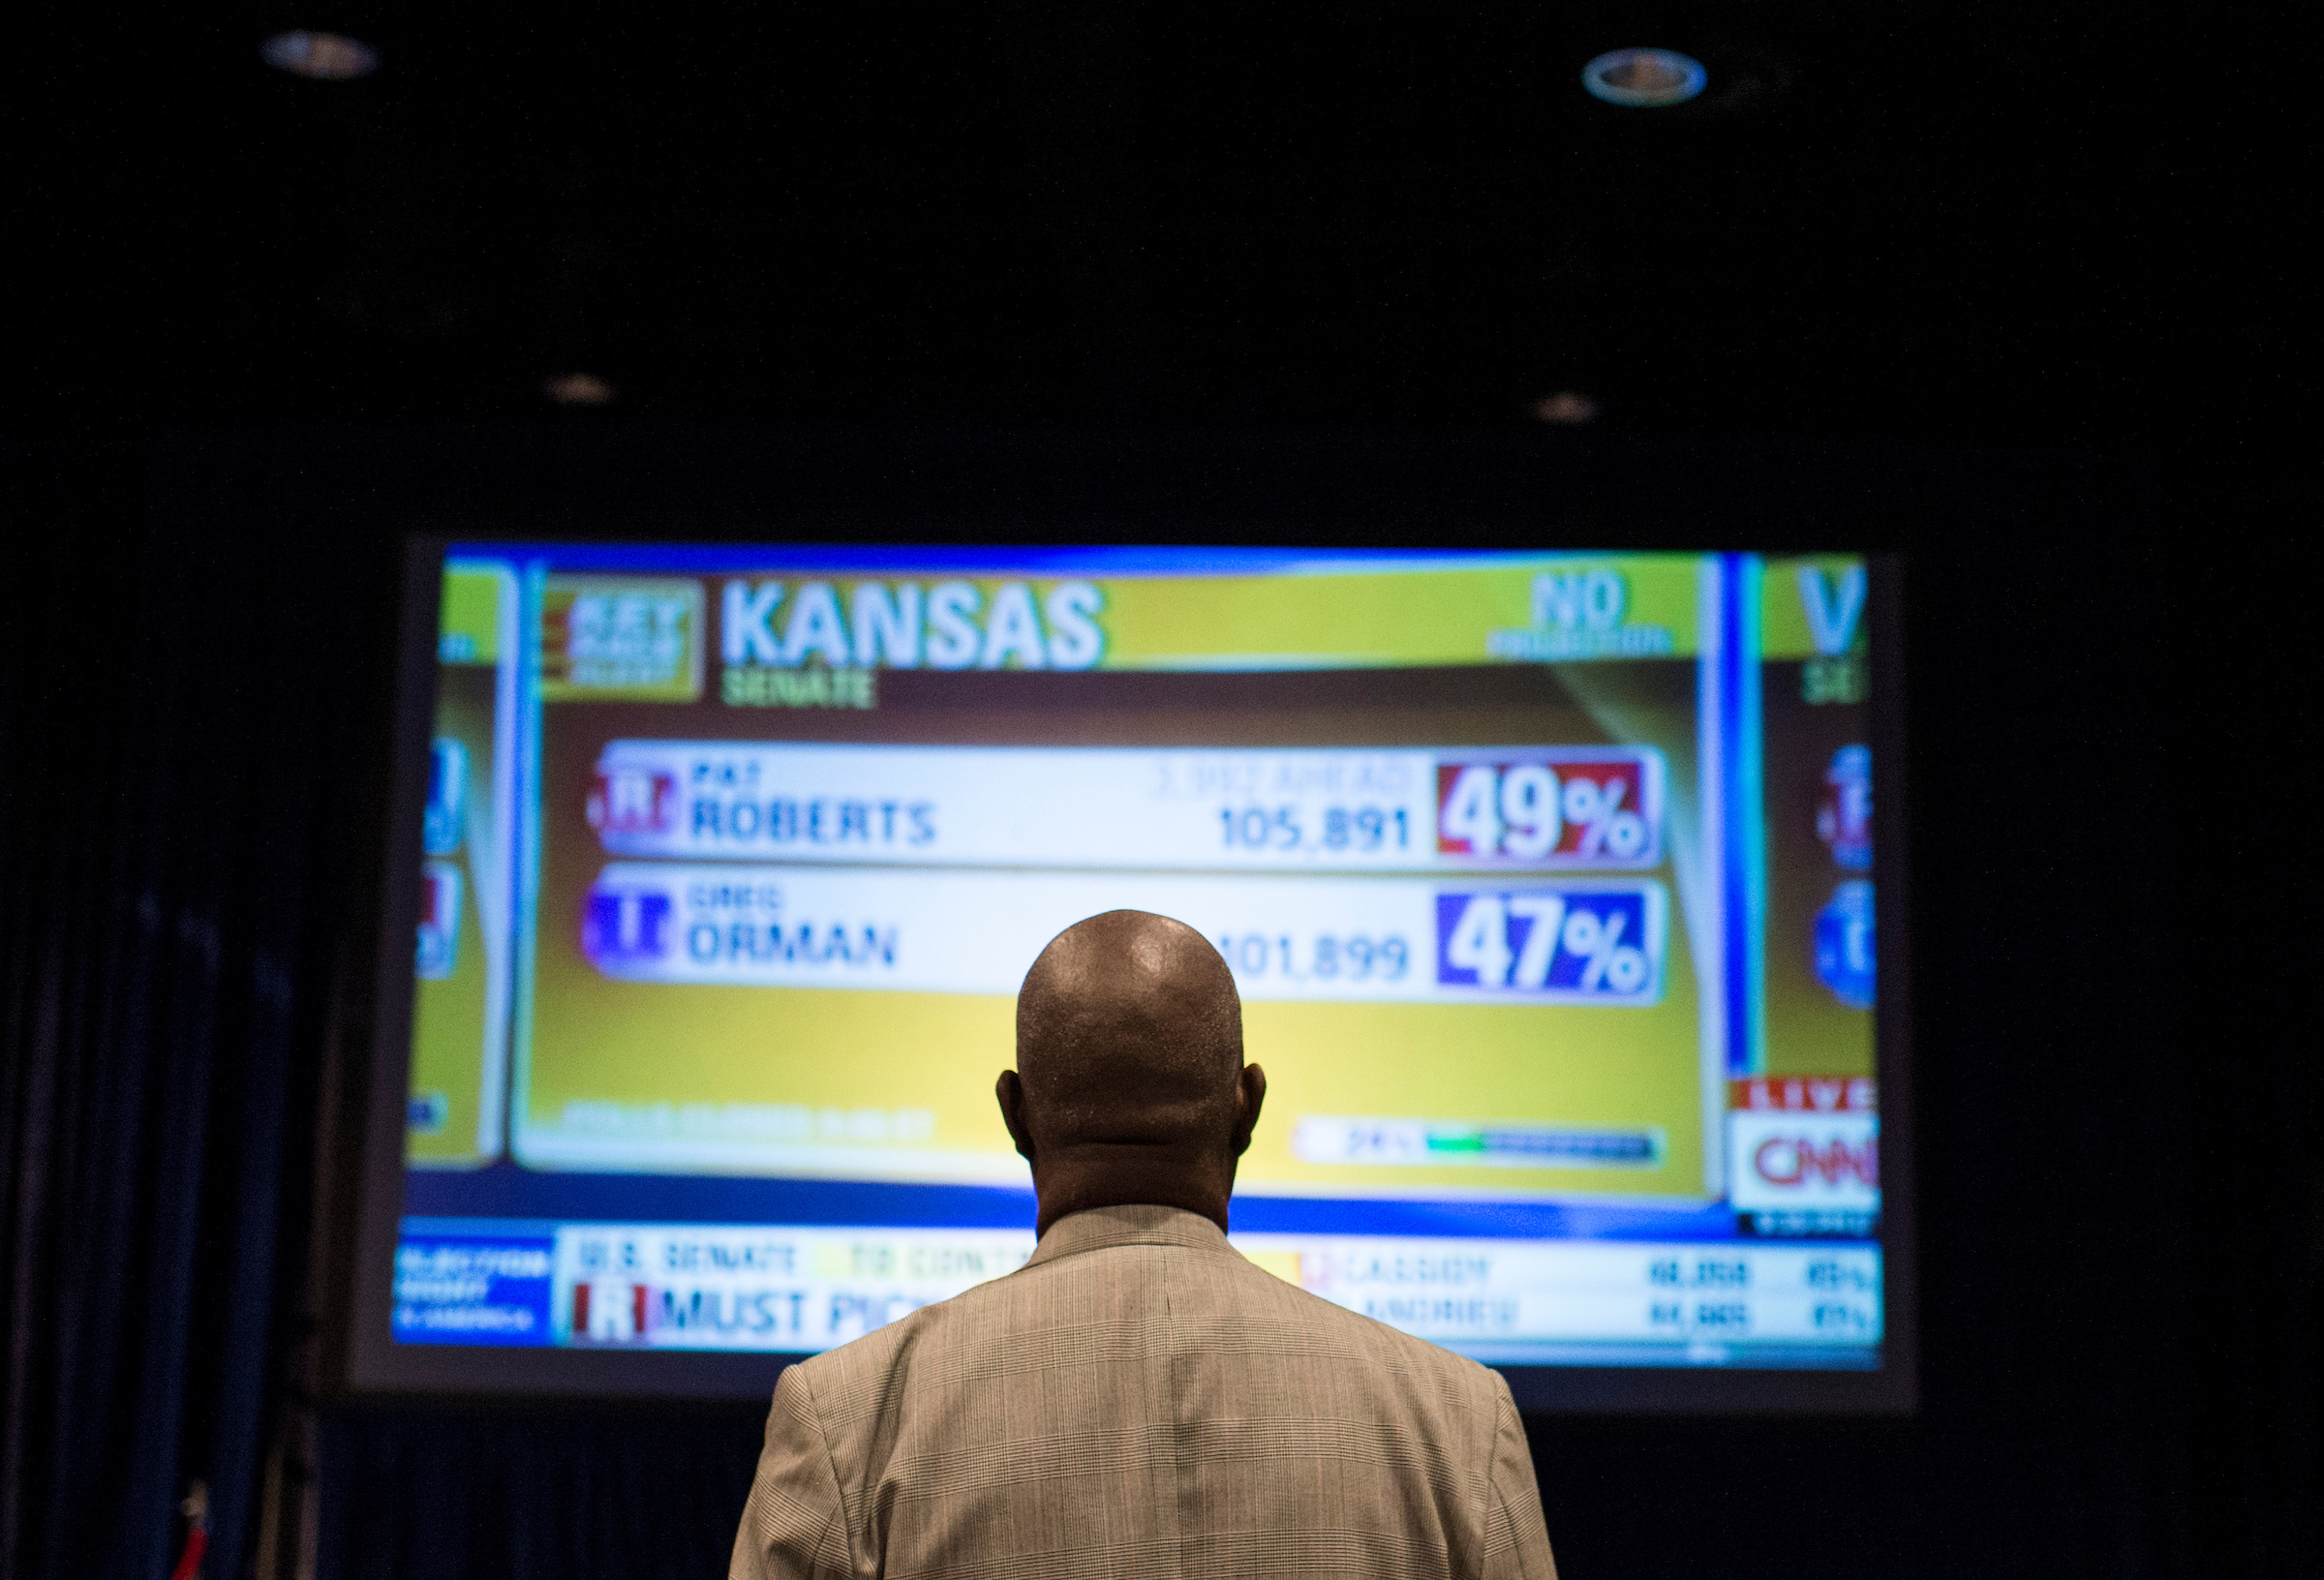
<point>1140,1400</point>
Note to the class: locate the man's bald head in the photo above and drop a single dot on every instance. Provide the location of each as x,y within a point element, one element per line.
<point>1129,1070</point>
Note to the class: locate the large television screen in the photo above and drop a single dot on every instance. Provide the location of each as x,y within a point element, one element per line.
<point>1549,882</point>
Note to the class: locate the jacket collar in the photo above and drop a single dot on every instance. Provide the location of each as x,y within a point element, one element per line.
<point>1101,1227</point>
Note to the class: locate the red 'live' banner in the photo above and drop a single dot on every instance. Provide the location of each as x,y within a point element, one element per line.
<point>1803,1094</point>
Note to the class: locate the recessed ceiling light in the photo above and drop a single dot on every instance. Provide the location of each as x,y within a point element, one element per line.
<point>1565,410</point>
<point>1645,79</point>
<point>578,389</point>
<point>326,57</point>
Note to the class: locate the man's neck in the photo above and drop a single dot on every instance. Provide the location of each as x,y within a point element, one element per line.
<point>1126,1176</point>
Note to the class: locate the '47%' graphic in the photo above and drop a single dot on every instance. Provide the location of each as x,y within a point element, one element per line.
<point>1562,940</point>
<point>1599,946</point>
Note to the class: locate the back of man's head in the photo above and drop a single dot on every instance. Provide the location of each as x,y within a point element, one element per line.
<point>1130,1085</point>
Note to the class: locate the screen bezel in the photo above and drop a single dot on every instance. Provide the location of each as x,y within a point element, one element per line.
<point>373,1365</point>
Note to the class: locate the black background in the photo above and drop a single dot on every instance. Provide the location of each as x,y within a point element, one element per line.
<point>2010,293</point>
<point>1912,218</point>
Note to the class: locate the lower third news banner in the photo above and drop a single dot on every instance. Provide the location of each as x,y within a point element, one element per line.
<point>796,1290</point>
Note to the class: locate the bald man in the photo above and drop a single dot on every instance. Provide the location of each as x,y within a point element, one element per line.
<point>1138,1399</point>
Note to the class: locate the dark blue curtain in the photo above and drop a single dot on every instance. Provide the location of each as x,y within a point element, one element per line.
<point>2122,1200</point>
<point>466,1495</point>
<point>177,710</point>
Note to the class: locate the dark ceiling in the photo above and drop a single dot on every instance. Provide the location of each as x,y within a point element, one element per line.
<point>1895,217</point>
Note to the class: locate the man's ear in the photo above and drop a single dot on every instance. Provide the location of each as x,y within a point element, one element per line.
<point>1250,1091</point>
<point>1010,1090</point>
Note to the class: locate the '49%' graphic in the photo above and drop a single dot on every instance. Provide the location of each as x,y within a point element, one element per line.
<point>1557,806</point>
<point>1554,942</point>
<point>1560,808</point>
